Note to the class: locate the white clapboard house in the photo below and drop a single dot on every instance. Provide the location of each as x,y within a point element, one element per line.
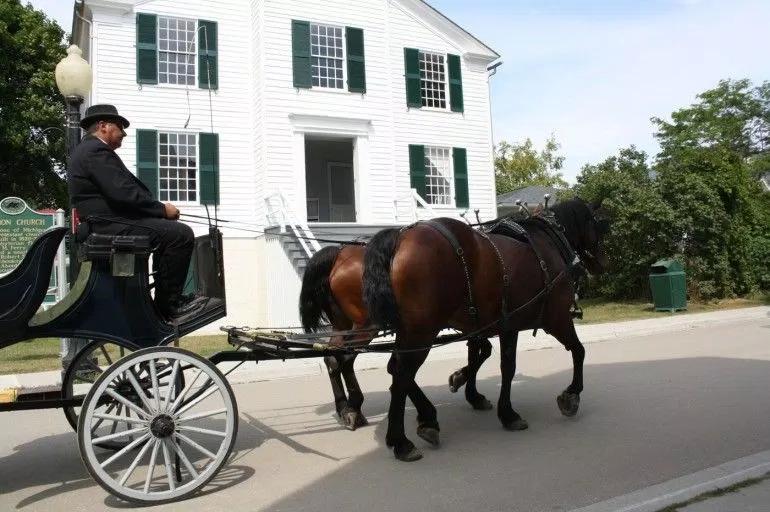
<point>312,118</point>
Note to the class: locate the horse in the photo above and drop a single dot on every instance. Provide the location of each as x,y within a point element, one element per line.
<point>499,280</point>
<point>332,289</point>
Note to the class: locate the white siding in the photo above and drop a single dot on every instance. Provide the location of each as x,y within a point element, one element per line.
<point>387,30</point>
<point>226,111</point>
<point>470,129</point>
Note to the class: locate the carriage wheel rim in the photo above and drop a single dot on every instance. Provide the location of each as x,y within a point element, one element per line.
<point>163,430</point>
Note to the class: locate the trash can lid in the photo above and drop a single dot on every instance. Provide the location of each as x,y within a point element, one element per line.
<point>667,265</point>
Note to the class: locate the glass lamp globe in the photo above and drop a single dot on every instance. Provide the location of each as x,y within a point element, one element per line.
<point>73,74</point>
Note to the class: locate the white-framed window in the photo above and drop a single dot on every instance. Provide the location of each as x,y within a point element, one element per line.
<point>439,176</point>
<point>327,55</point>
<point>177,51</point>
<point>178,167</point>
<point>433,79</point>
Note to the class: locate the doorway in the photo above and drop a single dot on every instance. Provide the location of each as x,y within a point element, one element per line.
<point>329,179</point>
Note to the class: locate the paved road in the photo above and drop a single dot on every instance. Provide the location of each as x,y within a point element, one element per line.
<point>654,408</point>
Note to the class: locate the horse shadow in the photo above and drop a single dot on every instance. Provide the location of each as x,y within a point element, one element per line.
<point>640,423</point>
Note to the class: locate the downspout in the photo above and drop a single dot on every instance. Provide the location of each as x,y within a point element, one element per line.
<point>491,71</point>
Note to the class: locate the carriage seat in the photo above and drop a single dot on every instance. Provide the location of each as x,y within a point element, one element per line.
<point>120,251</point>
<point>23,289</point>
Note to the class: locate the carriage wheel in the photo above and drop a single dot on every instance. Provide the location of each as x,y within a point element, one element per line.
<point>85,368</point>
<point>192,423</point>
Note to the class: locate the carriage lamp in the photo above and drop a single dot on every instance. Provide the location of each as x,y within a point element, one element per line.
<point>73,79</point>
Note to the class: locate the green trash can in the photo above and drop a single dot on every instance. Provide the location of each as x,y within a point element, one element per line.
<point>668,285</point>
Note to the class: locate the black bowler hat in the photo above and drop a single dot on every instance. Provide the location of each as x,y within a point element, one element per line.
<point>102,112</point>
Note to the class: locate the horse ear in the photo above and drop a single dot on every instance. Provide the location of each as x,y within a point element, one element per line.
<point>595,205</point>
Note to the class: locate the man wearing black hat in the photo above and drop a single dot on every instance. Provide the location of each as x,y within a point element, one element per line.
<point>113,201</point>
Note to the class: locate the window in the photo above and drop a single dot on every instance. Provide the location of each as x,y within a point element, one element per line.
<point>176,51</point>
<point>326,54</point>
<point>432,80</point>
<point>438,176</point>
<point>178,168</point>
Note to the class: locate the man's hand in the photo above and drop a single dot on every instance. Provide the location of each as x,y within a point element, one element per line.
<point>172,212</point>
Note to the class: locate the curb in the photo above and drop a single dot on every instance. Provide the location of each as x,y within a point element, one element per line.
<point>291,368</point>
<point>656,497</point>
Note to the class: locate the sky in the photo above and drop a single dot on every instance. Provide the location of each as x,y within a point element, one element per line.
<point>593,72</point>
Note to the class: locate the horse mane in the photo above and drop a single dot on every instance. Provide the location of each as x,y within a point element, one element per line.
<point>573,215</point>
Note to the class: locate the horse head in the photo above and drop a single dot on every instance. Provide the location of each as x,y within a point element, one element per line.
<point>586,229</point>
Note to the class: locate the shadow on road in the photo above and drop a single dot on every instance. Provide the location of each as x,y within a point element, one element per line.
<point>640,424</point>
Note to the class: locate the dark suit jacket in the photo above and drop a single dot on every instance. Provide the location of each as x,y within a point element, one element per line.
<point>100,184</point>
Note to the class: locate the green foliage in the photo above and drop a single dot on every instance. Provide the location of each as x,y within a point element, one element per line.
<point>711,156</point>
<point>700,202</point>
<point>521,165</point>
<point>639,216</point>
<point>31,46</point>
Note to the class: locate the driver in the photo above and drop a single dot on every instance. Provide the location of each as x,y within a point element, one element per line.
<point>113,201</point>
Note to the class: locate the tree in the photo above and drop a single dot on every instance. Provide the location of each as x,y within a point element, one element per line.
<point>638,217</point>
<point>521,165</point>
<point>32,147</point>
<point>712,154</point>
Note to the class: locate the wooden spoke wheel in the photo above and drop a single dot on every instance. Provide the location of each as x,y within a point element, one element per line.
<point>181,434</point>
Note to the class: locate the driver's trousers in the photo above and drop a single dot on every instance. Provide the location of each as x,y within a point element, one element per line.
<point>172,243</point>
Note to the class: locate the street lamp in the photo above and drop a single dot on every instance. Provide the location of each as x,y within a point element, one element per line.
<point>73,78</point>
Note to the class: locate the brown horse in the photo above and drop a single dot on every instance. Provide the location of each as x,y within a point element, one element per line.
<point>332,289</point>
<point>442,273</point>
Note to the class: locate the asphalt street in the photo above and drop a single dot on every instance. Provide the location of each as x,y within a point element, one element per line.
<point>654,408</point>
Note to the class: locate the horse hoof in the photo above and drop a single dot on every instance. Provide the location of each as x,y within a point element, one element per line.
<point>352,419</point>
<point>481,404</point>
<point>456,381</point>
<point>515,425</point>
<point>410,456</point>
<point>568,403</point>
<point>430,434</point>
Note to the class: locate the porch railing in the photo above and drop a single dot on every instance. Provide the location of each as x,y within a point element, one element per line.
<point>413,210</point>
<point>280,213</point>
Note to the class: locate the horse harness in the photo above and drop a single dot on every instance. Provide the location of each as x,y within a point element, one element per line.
<point>516,231</point>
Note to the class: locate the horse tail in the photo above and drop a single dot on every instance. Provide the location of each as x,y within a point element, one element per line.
<point>315,295</point>
<point>379,297</point>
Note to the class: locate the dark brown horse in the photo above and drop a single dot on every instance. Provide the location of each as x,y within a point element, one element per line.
<point>442,273</point>
<point>332,289</point>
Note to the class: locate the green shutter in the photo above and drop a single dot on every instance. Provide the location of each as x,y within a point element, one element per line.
<point>417,169</point>
<point>412,74</point>
<point>460,161</point>
<point>208,69</point>
<point>208,158</point>
<point>356,65</point>
<point>147,159</point>
<point>455,83</point>
<point>300,54</point>
<point>146,48</point>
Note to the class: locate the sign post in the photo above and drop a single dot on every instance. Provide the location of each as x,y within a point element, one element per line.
<point>19,227</point>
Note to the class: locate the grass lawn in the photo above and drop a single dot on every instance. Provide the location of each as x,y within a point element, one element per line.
<point>43,354</point>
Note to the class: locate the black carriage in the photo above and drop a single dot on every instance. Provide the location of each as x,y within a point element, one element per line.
<point>157,421</point>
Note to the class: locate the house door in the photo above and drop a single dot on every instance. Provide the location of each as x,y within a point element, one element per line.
<point>342,195</point>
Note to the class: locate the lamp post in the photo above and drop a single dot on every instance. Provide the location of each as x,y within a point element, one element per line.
<point>73,78</point>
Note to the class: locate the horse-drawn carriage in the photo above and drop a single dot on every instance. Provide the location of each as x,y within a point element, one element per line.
<point>158,422</point>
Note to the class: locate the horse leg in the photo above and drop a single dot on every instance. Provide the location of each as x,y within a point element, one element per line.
<point>334,367</point>
<point>508,417</point>
<point>403,367</point>
<point>479,349</point>
<point>351,414</point>
<point>569,400</point>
